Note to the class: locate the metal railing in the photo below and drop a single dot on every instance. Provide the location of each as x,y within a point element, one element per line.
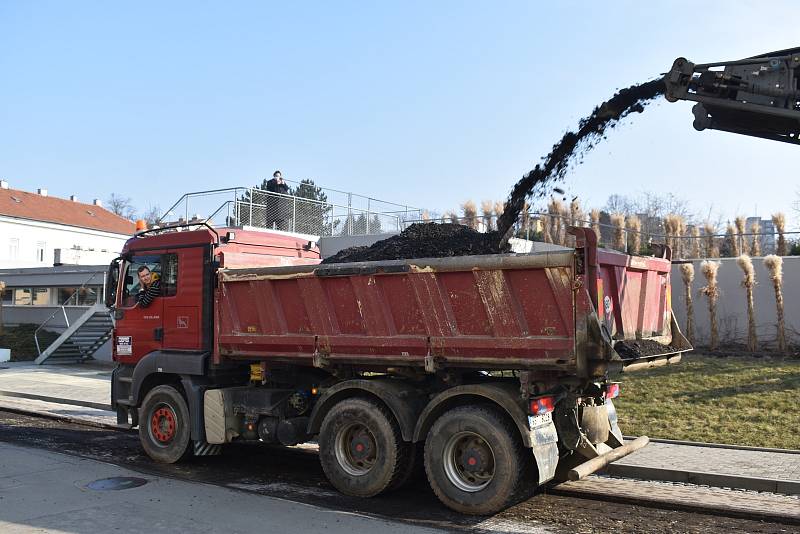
<point>63,307</point>
<point>251,206</point>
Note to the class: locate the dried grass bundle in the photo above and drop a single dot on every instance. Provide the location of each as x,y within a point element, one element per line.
<point>425,216</point>
<point>749,282</point>
<point>470,214</point>
<point>680,244</point>
<point>779,220</point>
<point>687,273</point>
<point>711,291</point>
<point>774,265</point>
<point>487,210</point>
<point>547,231</point>
<point>712,250</point>
<point>740,223</point>
<point>526,219</point>
<point>575,213</point>
<point>694,231</point>
<point>635,234</point>
<point>556,211</point>
<point>755,229</point>
<point>732,244</point>
<point>618,222</point>
<point>595,216</point>
<point>499,208</point>
<point>670,230</point>
<point>451,217</point>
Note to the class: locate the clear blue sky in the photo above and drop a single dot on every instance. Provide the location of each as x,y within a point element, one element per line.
<point>426,103</point>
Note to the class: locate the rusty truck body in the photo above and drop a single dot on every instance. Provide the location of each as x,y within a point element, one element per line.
<point>499,370</point>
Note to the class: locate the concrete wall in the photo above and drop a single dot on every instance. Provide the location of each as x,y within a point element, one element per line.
<point>732,304</point>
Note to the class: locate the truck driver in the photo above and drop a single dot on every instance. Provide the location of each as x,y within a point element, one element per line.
<point>150,286</point>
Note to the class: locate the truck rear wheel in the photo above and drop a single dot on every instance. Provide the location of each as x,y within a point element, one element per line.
<point>361,449</point>
<point>474,460</point>
<point>164,425</point>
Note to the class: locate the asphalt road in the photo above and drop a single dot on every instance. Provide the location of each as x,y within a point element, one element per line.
<point>294,474</point>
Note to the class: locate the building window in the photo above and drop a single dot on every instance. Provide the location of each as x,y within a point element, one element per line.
<point>41,296</point>
<point>13,248</point>
<point>22,296</point>
<point>73,296</point>
<point>8,296</point>
<point>40,248</point>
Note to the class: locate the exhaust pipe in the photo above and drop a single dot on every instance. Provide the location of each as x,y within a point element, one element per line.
<point>587,468</point>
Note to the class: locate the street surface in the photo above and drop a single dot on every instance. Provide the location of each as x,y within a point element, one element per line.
<point>253,477</point>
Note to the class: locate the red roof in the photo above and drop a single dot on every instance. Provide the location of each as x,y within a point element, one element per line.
<point>35,207</point>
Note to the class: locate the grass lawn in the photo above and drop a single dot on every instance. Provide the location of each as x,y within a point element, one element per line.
<point>736,400</point>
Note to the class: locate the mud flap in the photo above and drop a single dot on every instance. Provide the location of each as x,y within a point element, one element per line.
<point>544,445</point>
<point>615,439</point>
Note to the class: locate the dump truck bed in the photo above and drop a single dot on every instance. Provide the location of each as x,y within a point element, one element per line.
<point>504,311</point>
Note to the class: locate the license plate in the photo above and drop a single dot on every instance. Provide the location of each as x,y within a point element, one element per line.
<point>539,420</point>
<point>124,346</point>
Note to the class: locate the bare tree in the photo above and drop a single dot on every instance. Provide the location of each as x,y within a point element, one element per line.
<point>122,206</point>
<point>151,214</point>
<point>620,204</point>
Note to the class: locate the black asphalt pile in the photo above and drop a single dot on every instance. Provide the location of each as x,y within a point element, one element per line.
<point>573,145</point>
<point>641,348</point>
<point>424,240</point>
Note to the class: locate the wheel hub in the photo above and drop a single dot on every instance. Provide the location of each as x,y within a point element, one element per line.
<point>474,459</point>
<point>360,448</point>
<point>356,449</point>
<point>162,424</point>
<point>468,461</point>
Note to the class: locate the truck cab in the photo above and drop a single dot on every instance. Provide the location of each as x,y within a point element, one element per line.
<point>185,260</point>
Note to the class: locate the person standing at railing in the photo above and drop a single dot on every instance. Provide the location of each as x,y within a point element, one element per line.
<point>278,206</point>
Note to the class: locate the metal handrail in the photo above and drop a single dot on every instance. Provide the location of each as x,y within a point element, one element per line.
<point>402,209</point>
<point>63,309</point>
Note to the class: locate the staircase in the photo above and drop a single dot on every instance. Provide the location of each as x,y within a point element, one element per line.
<point>82,338</point>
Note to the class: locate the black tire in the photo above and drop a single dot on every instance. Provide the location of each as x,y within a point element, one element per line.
<point>475,460</point>
<point>412,467</point>
<point>164,425</point>
<point>361,449</point>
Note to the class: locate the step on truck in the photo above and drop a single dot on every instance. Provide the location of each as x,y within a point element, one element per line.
<point>494,374</point>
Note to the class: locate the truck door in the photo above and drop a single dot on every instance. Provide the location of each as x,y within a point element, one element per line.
<point>139,329</point>
<point>184,270</point>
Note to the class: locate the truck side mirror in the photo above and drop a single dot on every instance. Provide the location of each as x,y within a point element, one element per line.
<point>112,279</point>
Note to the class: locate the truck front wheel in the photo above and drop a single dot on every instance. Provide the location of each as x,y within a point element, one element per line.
<point>164,425</point>
<point>361,449</point>
<point>474,460</point>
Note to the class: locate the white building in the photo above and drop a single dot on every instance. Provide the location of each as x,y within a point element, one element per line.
<point>37,230</point>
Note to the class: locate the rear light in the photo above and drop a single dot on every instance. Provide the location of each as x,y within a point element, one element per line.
<point>542,405</point>
<point>612,391</point>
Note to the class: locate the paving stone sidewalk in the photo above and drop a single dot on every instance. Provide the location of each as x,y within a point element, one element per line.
<point>738,462</point>
<point>748,504</point>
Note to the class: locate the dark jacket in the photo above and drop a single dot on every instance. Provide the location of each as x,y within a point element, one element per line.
<point>146,296</point>
<point>275,187</point>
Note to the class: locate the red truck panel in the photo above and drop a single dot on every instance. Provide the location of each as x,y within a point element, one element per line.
<point>487,310</point>
<point>556,310</point>
<point>637,289</point>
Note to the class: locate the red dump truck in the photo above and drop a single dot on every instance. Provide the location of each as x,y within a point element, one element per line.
<point>497,370</point>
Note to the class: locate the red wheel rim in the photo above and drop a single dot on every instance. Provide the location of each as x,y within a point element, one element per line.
<point>162,424</point>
